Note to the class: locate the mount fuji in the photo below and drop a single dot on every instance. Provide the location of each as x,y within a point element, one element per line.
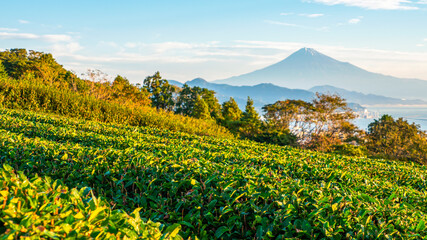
<point>308,68</point>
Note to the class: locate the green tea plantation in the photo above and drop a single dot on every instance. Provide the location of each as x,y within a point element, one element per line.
<point>154,181</point>
<point>42,208</point>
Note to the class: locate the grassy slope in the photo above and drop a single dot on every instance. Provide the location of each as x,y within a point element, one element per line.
<point>221,188</point>
<point>31,95</point>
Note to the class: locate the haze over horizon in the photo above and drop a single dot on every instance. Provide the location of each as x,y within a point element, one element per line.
<point>216,40</point>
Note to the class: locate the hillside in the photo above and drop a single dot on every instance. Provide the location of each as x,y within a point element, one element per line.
<point>220,188</point>
<point>31,80</point>
<point>308,68</point>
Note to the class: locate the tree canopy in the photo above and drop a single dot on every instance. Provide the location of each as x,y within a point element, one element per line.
<point>231,111</point>
<point>319,124</point>
<point>161,92</point>
<point>201,109</point>
<point>397,139</point>
<point>188,97</point>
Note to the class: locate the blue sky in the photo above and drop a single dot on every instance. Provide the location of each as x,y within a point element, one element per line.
<point>218,39</point>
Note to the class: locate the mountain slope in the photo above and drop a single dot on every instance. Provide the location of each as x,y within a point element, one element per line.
<point>267,93</point>
<point>262,94</point>
<point>307,68</point>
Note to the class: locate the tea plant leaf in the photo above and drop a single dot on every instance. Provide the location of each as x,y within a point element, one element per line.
<point>220,231</point>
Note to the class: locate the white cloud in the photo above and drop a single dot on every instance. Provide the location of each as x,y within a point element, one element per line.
<point>354,21</point>
<point>167,46</point>
<point>283,24</point>
<point>351,21</point>
<point>23,21</point>
<point>217,60</point>
<point>8,35</point>
<point>57,44</point>
<point>420,45</point>
<point>109,44</point>
<point>375,4</point>
<point>65,49</point>
<point>309,15</point>
<point>30,36</point>
<point>56,38</point>
<point>9,29</point>
<point>323,29</point>
<point>313,15</point>
<point>425,39</point>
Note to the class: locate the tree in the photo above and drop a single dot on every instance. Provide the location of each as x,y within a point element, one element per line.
<point>98,84</point>
<point>284,120</point>
<point>288,114</point>
<point>250,123</point>
<point>231,111</point>
<point>37,66</point>
<point>3,73</point>
<point>15,62</point>
<point>187,99</point>
<point>201,109</point>
<point>123,90</point>
<point>330,122</point>
<point>320,124</point>
<point>250,114</point>
<point>213,103</point>
<point>161,92</point>
<point>397,139</point>
<point>44,66</point>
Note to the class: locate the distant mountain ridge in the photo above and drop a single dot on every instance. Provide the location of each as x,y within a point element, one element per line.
<point>262,94</point>
<point>308,68</point>
<point>268,93</point>
<point>365,99</point>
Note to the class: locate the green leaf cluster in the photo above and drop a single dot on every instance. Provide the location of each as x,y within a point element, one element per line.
<point>42,208</point>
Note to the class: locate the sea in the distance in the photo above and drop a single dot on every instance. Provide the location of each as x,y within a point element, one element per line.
<point>416,114</point>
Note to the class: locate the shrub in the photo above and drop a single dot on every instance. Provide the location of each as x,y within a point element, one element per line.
<point>26,95</point>
<point>42,208</point>
<point>350,150</point>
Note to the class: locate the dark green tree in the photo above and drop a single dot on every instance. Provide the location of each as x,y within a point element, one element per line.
<point>213,103</point>
<point>231,111</point>
<point>250,114</point>
<point>187,99</point>
<point>161,92</point>
<point>397,139</point>
<point>15,62</point>
<point>250,124</point>
<point>3,73</point>
<point>201,109</point>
